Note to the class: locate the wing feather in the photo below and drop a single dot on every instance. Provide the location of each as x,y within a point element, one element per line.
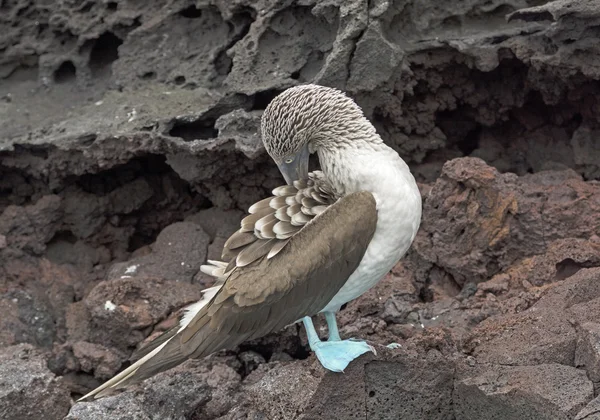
<point>276,218</point>
<point>239,239</point>
<point>249,221</point>
<point>331,248</point>
<point>260,205</point>
<point>271,283</point>
<point>256,250</point>
<point>276,248</point>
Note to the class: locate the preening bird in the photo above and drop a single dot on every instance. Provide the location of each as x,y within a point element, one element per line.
<point>318,242</point>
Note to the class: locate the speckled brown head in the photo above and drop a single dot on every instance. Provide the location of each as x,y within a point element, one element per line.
<point>304,118</point>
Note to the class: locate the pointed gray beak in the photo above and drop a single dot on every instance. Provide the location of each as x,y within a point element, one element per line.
<point>298,168</point>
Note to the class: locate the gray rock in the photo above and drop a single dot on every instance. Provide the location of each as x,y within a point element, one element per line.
<point>284,390</point>
<point>410,387</point>
<point>394,384</point>
<point>244,129</point>
<point>118,408</point>
<point>522,392</point>
<point>181,393</point>
<point>176,255</point>
<point>587,354</point>
<point>28,390</point>
<point>590,411</point>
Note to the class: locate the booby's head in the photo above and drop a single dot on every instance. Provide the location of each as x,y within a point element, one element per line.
<point>304,119</point>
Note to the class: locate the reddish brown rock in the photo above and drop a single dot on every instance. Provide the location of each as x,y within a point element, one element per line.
<point>29,228</point>
<point>478,222</point>
<point>391,301</point>
<point>97,359</point>
<point>78,321</point>
<point>176,255</point>
<point>117,123</point>
<point>121,310</point>
<point>561,259</point>
<point>544,333</point>
<point>34,308</point>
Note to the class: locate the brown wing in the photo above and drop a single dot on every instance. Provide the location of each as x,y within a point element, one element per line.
<point>290,207</point>
<point>269,293</point>
<point>272,293</point>
<point>273,221</point>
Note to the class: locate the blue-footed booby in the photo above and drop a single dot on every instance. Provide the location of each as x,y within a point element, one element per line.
<point>318,242</point>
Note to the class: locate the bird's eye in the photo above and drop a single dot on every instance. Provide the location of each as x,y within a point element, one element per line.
<point>289,160</point>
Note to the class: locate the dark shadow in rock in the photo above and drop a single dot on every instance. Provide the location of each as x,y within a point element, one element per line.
<point>223,64</point>
<point>201,129</point>
<point>262,99</point>
<point>566,268</point>
<point>104,53</point>
<point>191,12</point>
<point>24,72</point>
<point>242,19</point>
<point>65,73</point>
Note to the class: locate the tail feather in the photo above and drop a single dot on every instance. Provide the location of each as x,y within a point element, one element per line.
<point>123,379</point>
<point>161,354</point>
<point>157,342</point>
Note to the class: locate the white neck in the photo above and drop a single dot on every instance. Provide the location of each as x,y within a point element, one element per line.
<point>378,169</point>
<point>365,166</point>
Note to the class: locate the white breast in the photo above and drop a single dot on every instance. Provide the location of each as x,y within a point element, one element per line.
<point>398,218</point>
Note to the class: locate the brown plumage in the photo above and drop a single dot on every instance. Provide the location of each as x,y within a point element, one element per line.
<point>293,252</point>
<point>262,294</point>
<point>275,219</point>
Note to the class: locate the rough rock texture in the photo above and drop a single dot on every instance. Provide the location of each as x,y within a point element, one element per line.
<point>196,389</point>
<point>130,148</point>
<point>176,255</point>
<point>587,352</point>
<point>523,392</point>
<point>591,411</point>
<point>28,390</point>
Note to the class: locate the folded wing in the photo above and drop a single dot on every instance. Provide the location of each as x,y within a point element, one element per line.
<point>272,279</point>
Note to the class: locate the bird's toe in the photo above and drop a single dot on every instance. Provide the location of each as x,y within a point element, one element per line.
<point>337,355</point>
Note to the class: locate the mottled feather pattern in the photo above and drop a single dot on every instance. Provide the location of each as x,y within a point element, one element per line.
<point>321,116</point>
<point>272,221</point>
<point>294,251</point>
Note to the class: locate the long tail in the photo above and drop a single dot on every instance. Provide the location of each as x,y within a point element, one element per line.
<point>158,355</point>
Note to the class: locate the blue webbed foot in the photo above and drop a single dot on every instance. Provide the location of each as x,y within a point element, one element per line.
<point>336,355</point>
